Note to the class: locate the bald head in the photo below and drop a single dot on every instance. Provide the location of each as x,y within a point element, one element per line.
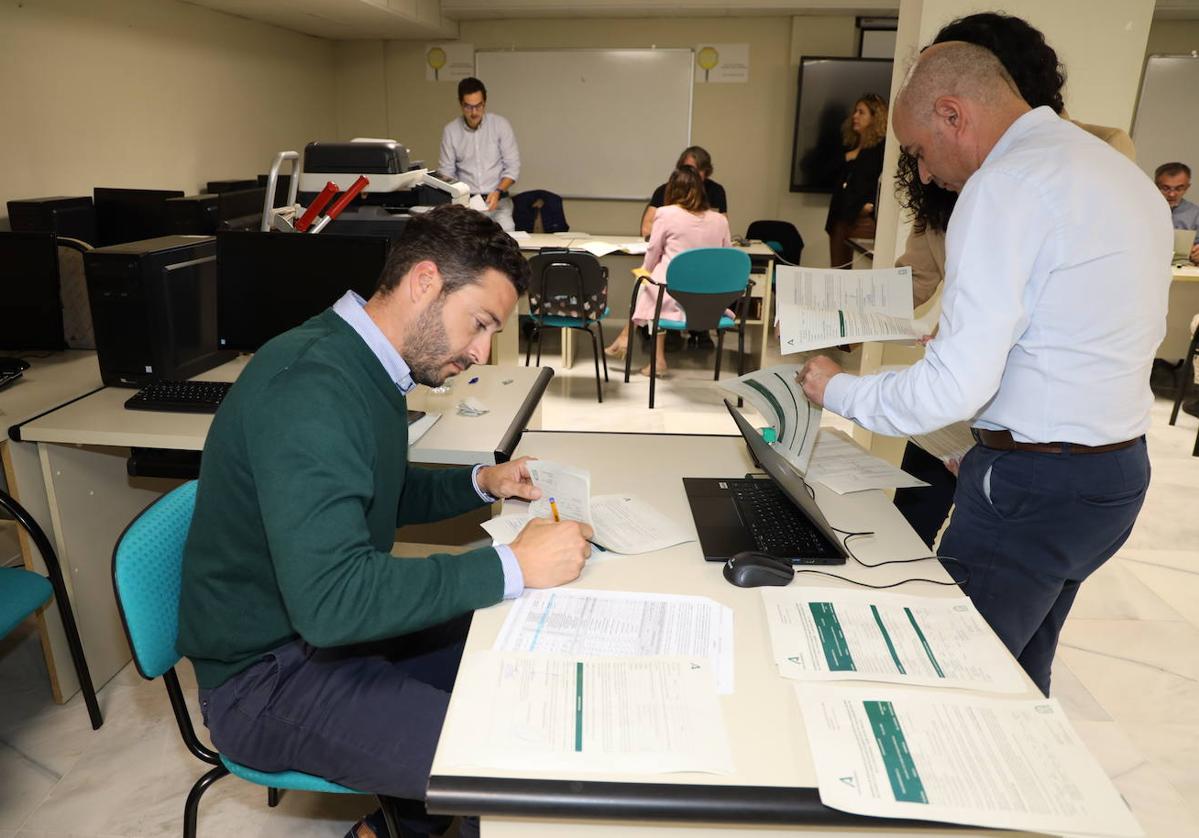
<point>958,69</point>
<point>954,105</point>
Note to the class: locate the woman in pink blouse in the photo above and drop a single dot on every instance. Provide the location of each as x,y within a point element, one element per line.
<point>684,223</point>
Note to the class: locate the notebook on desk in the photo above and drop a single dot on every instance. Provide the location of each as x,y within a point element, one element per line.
<point>778,515</point>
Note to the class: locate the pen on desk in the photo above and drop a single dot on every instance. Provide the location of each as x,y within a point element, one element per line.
<point>473,380</point>
<point>554,509</point>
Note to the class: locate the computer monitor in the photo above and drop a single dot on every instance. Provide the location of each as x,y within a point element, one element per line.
<point>240,203</point>
<point>128,215</point>
<point>30,305</point>
<point>271,282</point>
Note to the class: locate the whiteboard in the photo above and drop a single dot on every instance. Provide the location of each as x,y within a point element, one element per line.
<point>593,123</point>
<point>1163,130</point>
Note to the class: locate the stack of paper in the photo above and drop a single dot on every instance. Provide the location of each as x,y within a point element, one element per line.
<point>949,443</point>
<point>776,395</point>
<point>935,755</point>
<point>622,523</point>
<point>822,308</point>
<point>573,621</point>
<point>844,466</point>
<point>581,715</point>
<point>827,634</point>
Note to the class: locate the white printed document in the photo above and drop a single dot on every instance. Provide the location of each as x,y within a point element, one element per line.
<point>935,755</point>
<point>578,715</point>
<point>821,308</point>
<point>829,634</point>
<point>948,443</point>
<point>844,466</point>
<point>572,621</point>
<point>780,399</point>
<point>478,203</point>
<point>623,524</point>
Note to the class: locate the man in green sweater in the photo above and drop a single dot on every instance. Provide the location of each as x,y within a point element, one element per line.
<point>314,648</point>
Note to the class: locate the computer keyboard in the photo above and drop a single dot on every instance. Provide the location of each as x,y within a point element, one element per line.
<point>776,525</point>
<point>180,396</point>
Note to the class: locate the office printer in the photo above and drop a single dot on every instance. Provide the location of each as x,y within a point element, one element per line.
<point>398,187</point>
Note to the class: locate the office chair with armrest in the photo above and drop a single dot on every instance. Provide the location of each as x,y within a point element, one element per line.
<point>569,290</point>
<point>705,281</point>
<point>23,592</point>
<point>147,566</point>
<point>780,236</point>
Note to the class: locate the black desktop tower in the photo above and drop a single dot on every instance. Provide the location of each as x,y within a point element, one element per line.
<point>71,217</point>
<point>154,309</point>
<point>195,215</point>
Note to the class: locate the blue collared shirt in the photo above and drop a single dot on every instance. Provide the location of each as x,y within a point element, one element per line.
<point>480,157</point>
<point>1049,324</point>
<point>350,308</point>
<point>1186,217</point>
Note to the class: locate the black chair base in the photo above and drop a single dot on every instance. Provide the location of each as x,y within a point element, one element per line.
<point>1184,376</point>
<point>597,349</point>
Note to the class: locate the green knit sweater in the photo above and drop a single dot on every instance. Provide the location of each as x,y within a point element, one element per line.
<point>305,478</point>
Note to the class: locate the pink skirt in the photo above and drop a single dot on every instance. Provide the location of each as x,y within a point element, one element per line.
<point>647,298</point>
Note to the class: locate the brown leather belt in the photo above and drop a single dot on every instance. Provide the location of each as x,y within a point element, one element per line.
<point>1002,441</point>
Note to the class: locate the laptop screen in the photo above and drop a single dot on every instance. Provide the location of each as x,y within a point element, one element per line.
<point>785,477</point>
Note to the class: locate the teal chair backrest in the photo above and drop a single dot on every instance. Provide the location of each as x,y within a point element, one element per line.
<point>708,270</point>
<point>147,568</point>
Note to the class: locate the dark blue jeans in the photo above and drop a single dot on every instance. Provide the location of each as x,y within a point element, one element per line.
<point>1031,527</point>
<point>367,717</point>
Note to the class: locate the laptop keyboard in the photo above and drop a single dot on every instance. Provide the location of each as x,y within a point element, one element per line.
<point>180,396</point>
<point>776,525</point>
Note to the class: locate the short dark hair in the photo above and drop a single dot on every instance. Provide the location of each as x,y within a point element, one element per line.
<point>1172,169</point>
<point>1034,67</point>
<point>703,160</point>
<point>462,243</point>
<point>470,85</point>
<point>686,188</point>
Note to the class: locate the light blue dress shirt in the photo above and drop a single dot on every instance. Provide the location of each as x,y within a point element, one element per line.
<point>350,309</point>
<point>1049,321</point>
<point>482,157</point>
<point>1186,216</point>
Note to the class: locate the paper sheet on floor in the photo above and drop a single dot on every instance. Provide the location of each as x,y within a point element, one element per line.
<point>948,443</point>
<point>819,308</point>
<point>574,621</point>
<point>780,399</point>
<point>843,466</point>
<point>577,715</point>
<point>829,634</point>
<point>937,755</point>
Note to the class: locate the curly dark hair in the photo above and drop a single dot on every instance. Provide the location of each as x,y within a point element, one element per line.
<point>462,243</point>
<point>1039,77</point>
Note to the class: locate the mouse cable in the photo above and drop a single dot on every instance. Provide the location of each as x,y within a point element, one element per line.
<point>845,543</point>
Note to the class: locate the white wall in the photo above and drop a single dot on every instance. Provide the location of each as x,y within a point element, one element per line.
<point>150,93</point>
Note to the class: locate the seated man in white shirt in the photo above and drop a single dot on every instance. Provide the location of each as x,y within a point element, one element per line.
<point>1046,338</point>
<point>480,150</point>
<point>1173,180</point>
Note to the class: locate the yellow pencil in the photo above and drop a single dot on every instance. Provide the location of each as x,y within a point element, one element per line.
<point>554,509</point>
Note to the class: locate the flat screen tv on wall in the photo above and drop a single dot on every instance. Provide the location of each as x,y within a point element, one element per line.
<point>828,88</point>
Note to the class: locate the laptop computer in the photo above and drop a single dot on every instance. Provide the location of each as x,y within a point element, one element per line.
<point>778,515</point>
<point>1184,240</point>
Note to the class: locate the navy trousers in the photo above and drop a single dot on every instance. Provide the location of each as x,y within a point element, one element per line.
<point>367,717</point>
<point>1030,527</point>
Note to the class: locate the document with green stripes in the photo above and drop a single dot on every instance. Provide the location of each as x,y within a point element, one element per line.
<point>828,634</point>
<point>941,755</point>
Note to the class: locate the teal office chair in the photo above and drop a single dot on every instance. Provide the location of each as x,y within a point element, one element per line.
<point>569,290</point>
<point>147,567</point>
<point>705,281</point>
<point>23,592</point>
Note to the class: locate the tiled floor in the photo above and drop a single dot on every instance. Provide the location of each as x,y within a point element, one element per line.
<point>1127,670</point>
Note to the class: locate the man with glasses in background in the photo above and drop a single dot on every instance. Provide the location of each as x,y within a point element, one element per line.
<point>480,150</point>
<point>1173,180</point>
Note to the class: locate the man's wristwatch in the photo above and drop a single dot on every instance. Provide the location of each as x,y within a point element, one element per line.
<point>503,193</point>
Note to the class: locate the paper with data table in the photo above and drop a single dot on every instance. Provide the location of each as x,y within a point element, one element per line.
<point>577,715</point>
<point>844,466</point>
<point>1005,763</point>
<point>574,621</point>
<point>780,399</point>
<point>819,308</point>
<point>828,634</point>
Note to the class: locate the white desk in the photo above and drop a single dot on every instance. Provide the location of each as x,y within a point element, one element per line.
<point>774,780</point>
<point>620,287</point>
<point>84,447</point>
<point>48,383</point>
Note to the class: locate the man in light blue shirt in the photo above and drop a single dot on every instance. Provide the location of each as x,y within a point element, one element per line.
<point>480,150</point>
<point>1173,180</point>
<point>1046,338</point>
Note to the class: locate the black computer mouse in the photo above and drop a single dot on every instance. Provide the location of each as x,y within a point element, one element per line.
<point>751,570</point>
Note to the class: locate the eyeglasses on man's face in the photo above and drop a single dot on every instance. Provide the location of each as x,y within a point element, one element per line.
<point>1173,190</point>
